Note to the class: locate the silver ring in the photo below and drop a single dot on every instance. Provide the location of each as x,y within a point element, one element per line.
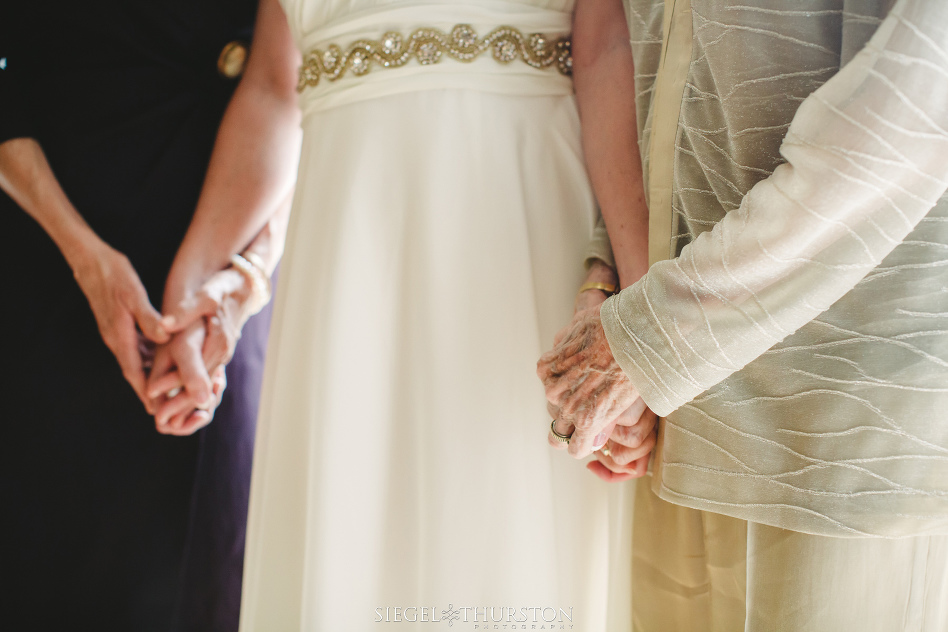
<point>173,392</point>
<point>559,437</point>
<point>605,451</point>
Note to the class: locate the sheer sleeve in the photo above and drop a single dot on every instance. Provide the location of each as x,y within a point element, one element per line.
<point>14,118</point>
<point>866,159</point>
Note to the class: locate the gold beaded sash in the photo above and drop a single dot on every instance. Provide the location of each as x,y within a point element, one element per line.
<point>429,45</point>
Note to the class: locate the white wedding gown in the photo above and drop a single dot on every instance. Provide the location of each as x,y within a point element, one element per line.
<point>435,247</point>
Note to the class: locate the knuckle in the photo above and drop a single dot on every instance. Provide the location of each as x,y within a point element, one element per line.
<point>196,385</point>
<point>633,436</point>
<point>650,441</point>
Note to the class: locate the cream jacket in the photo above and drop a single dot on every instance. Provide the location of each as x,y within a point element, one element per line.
<point>793,328</point>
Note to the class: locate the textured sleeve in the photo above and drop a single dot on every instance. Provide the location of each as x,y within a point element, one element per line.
<point>14,118</point>
<point>599,246</point>
<point>866,159</point>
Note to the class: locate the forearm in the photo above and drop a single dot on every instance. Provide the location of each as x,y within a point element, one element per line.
<point>249,181</point>
<point>253,166</point>
<point>27,178</point>
<point>603,76</point>
<point>268,243</point>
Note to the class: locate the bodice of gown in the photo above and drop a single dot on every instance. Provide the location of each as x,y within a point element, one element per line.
<point>317,24</point>
<point>308,15</point>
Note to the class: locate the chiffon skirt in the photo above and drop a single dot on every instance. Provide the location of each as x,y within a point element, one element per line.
<point>435,247</point>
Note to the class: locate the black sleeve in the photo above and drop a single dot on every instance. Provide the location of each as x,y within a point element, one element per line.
<point>14,113</point>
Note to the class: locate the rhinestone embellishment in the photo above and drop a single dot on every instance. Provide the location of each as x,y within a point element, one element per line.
<point>391,42</point>
<point>464,36</point>
<point>331,56</point>
<point>428,52</point>
<point>428,46</point>
<point>537,42</point>
<point>505,50</point>
<point>359,61</point>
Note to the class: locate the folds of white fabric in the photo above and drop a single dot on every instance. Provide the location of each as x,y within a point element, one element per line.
<point>434,250</point>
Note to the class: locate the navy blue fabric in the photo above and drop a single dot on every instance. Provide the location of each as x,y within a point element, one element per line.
<point>106,524</point>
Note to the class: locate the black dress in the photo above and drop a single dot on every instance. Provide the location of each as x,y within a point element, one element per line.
<point>108,525</point>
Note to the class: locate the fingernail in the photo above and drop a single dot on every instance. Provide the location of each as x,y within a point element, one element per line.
<point>600,440</point>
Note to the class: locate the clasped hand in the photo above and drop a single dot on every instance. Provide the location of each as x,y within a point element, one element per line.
<point>175,363</point>
<point>593,401</point>
<point>187,377</point>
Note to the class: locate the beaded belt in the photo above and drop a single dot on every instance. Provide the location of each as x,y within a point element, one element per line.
<point>428,45</point>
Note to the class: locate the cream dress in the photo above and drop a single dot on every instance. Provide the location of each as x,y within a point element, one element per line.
<point>434,249</point>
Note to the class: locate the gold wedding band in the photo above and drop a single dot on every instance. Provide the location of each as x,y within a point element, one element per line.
<point>559,437</point>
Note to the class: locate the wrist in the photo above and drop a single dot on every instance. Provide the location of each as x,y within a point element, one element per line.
<point>257,280</point>
<point>185,279</point>
<point>83,250</point>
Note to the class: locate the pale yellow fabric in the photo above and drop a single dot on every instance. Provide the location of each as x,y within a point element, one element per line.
<point>689,567</point>
<point>697,571</point>
<point>665,112</point>
<point>800,349</point>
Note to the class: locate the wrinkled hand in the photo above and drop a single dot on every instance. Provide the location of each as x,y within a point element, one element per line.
<point>119,303</point>
<point>591,299</point>
<point>585,384</point>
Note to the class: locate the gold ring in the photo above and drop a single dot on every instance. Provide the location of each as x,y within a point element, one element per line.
<point>559,437</point>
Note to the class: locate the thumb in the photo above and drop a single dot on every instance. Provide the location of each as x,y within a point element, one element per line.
<point>148,319</point>
<point>188,312</point>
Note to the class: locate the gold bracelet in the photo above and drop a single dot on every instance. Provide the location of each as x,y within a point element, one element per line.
<point>608,288</point>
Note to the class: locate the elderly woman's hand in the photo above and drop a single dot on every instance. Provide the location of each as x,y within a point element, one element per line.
<point>584,384</point>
